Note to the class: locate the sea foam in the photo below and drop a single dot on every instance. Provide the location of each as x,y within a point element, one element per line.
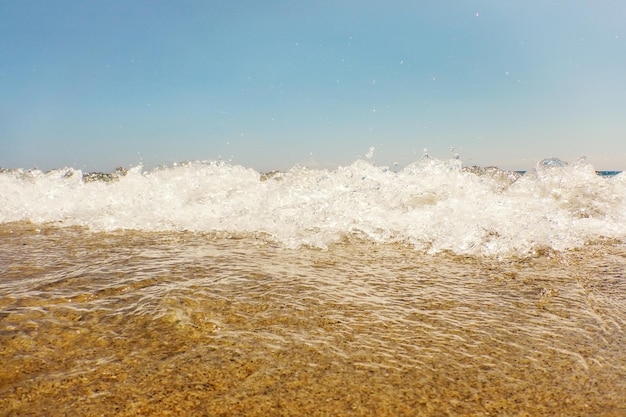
<point>433,205</point>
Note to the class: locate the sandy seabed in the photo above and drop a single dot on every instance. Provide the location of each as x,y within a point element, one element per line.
<point>135,323</point>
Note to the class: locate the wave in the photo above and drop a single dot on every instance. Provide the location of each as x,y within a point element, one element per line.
<point>434,205</point>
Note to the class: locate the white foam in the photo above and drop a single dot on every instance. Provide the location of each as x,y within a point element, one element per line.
<point>432,204</point>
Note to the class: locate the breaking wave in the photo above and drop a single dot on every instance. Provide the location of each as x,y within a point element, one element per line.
<point>433,205</point>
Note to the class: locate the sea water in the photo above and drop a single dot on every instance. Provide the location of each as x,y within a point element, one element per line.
<point>206,288</point>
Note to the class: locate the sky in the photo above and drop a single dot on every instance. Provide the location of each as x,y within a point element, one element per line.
<point>273,84</point>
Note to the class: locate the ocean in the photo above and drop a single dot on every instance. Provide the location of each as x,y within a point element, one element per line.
<point>205,288</point>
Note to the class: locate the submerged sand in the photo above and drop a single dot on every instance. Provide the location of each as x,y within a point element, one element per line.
<point>132,323</point>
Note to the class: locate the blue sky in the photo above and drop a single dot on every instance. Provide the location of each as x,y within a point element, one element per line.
<point>271,84</point>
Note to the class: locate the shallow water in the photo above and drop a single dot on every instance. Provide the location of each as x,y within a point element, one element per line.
<point>174,323</point>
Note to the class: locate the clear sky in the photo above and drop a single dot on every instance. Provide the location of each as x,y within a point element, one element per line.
<point>270,84</point>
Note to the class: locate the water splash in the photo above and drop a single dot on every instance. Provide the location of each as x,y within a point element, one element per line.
<point>433,205</point>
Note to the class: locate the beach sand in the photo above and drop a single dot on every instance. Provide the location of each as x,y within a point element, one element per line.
<point>136,323</point>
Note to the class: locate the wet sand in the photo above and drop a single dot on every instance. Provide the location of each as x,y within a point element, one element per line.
<point>131,323</point>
